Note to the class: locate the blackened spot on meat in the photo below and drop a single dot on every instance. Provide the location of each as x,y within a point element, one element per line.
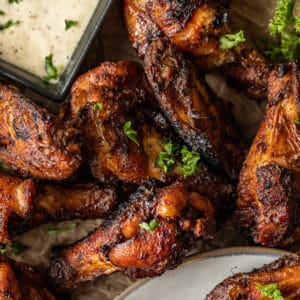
<point>220,20</point>
<point>21,132</point>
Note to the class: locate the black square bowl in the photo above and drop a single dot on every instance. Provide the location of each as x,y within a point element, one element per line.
<point>59,90</point>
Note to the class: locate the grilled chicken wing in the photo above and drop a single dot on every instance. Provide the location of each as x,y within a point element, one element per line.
<point>285,272</point>
<point>201,120</point>
<point>195,28</point>
<point>34,142</point>
<point>181,216</point>
<point>122,94</point>
<point>54,203</point>
<point>268,207</point>
<point>25,204</point>
<point>18,281</point>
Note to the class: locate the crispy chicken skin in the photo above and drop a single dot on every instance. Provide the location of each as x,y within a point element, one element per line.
<point>34,142</point>
<point>18,281</point>
<point>197,116</point>
<point>120,244</point>
<point>122,90</point>
<point>284,271</point>
<point>267,208</point>
<point>54,203</point>
<point>195,27</point>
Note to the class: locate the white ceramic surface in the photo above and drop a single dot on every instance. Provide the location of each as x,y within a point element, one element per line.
<point>200,274</point>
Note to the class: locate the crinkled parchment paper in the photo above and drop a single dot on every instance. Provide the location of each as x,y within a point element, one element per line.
<point>112,44</point>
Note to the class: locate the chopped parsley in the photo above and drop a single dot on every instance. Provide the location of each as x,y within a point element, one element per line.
<point>297,121</point>
<point>17,247</point>
<point>166,158</point>
<point>70,23</point>
<point>271,291</point>
<point>152,225</point>
<point>9,24</point>
<point>190,162</point>
<point>52,71</point>
<point>14,1</point>
<point>2,13</point>
<point>98,106</point>
<point>229,41</point>
<point>51,229</point>
<point>286,27</point>
<point>130,132</point>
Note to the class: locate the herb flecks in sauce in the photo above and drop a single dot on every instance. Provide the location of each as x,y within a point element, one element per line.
<point>9,24</point>
<point>70,23</point>
<point>52,71</point>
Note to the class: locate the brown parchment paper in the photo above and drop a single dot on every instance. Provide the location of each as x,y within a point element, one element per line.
<point>112,44</point>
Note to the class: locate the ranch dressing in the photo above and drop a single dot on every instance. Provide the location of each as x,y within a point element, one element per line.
<point>42,32</point>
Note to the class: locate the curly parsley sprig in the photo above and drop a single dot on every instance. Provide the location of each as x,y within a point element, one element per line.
<point>271,291</point>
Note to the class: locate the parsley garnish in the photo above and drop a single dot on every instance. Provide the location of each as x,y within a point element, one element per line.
<point>14,1</point>
<point>190,162</point>
<point>70,23</point>
<point>50,69</point>
<point>286,26</point>
<point>98,106</point>
<point>130,132</point>
<point>9,24</point>
<point>2,13</point>
<point>51,229</point>
<point>297,121</point>
<point>17,247</point>
<point>166,158</point>
<point>229,41</point>
<point>152,225</point>
<point>2,249</point>
<point>271,291</point>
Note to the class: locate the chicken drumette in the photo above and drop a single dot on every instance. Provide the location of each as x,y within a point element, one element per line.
<point>268,191</point>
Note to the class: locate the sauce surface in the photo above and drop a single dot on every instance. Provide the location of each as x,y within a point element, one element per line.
<point>41,32</point>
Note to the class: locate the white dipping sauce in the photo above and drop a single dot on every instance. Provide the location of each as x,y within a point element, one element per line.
<point>42,32</point>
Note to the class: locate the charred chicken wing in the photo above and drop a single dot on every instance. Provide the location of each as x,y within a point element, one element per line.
<point>268,206</point>
<point>278,280</point>
<point>18,281</point>
<point>34,142</point>
<point>145,237</point>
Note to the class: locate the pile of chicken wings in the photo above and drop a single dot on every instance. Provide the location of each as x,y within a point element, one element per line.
<point>167,162</point>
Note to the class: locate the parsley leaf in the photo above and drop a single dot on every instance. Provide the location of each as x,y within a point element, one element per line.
<point>98,106</point>
<point>70,23</point>
<point>297,121</point>
<point>152,225</point>
<point>17,247</point>
<point>283,16</point>
<point>229,41</point>
<point>51,229</point>
<point>271,291</point>
<point>130,132</point>
<point>9,24</point>
<point>190,162</point>
<point>166,158</point>
<point>50,69</point>
<point>2,13</point>
<point>14,1</point>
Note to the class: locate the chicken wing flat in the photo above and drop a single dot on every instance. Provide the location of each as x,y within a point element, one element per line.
<point>146,236</point>
<point>18,281</point>
<point>283,274</point>
<point>34,142</point>
<point>201,120</point>
<point>54,203</point>
<point>109,105</point>
<point>268,208</point>
<point>195,28</point>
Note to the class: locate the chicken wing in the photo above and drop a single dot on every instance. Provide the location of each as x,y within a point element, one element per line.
<point>146,236</point>
<point>54,203</point>
<point>201,120</point>
<point>268,207</point>
<point>34,142</point>
<point>106,100</point>
<point>18,281</point>
<point>195,28</point>
<point>283,274</point>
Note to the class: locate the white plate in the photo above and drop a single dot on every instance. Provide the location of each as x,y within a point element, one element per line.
<point>194,279</point>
